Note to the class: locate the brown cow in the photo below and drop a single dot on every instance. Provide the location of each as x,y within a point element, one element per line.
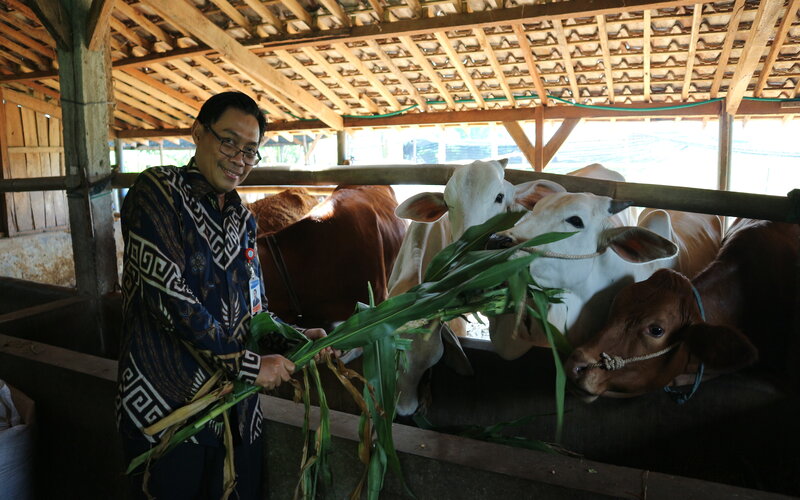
<point>657,331</point>
<point>275,212</point>
<point>346,241</point>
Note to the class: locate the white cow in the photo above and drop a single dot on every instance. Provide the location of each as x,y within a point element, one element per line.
<point>602,257</point>
<point>473,194</point>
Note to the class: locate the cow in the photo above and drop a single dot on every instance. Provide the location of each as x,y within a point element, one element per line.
<point>473,194</point>
<point>736,310</point>
<point>595,262</point>
<point>275,212</point>
<point>316,269</point>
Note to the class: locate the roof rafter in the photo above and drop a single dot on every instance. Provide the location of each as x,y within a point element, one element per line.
<point>777,43</point>
<point>428,69</point>
<point>183,14</point>
<point>354,60</point>
<point>313,80</point>
<point>320,60</point>
<point>697,15</point>
<point>602,34</point>
<point>410,88</point>
<point>452,56</point>
<point>483,41</point>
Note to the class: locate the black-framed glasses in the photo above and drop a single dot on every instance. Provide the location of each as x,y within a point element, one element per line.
<point>250,156</point>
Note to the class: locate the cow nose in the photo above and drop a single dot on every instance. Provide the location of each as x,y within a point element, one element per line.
<point>577,365</point>
<point>498,241</point>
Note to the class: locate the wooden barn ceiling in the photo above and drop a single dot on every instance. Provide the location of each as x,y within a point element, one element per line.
<point>337,60</point>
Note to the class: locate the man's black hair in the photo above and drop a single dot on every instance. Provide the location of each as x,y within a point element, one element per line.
<point>214,107</point>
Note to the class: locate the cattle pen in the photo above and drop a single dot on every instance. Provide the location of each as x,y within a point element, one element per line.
<point>80,79</point>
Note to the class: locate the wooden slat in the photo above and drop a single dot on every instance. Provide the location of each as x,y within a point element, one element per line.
<point>416,8</point>
<point>727,46</point>
<point>23,38</point>
<point>777,44</point>
<point>36,32</point>
<point>57,163</point>
<point>23,211</point>
<point>527,53</point>
<point>33,166</point>
<point>43,137</point>
<point>300,13</point>
<point>37,149</point>
<point>131,12</point>
<point>24,52</point>
<point>760,33</point>
<point>32,103</point>
<point>602,33</point>
<point>312,79</point>
<point>563,47</point>
<point>7,225</point>
<point>455,60</point>
<point>183,14</point>
<point>393,69</point>
<point>143,102</point>
<point>345,52</point>
<point>337,12</point>
<point>265,14</point>
<point>483,41</point>
<point>168,74</point>
<point>561,135</point>
<point>134,76</point>
<point>320,60</point>
<point>196,74</point>
<point>428,69</point>
<point>140,44</point>
<point>516,132</point>
<point>646,55</point>
<point>687,80</point>
<point>52,15</point>
<point>233,13</point>
<point>98,26</point>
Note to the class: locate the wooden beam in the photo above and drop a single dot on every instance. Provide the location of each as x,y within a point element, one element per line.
<point>602,33</point>
<point>266,15</point>
<point>539,149</point>
<point>28,25</point>
<point>53,16</point>
<point>647,46</point>
<point>21,35</point>
<point>239,19</point>
<point>727,46</point>
<point>98,25</point>
<point>725,150</point>
<point>183,14</point>
<point>455,60</point>
<point>561,135</point>
<point>777,45</point>
<point>428,70</point>
<point>312,79</point>
<point>132,13</point>
<point>416,8</point>
<point>376,84</point>
<point>566,56</point>
<point>516,132</point>
<point>527,53</point>
<point>405,83</point>
<point>760,32</point>
<point>27,101</point>
<point>190,106</point>
<point>337,12</point>
<point>320,60</point>
<point>687,79</point>
<point>483,41</point>
<point>299,12</point>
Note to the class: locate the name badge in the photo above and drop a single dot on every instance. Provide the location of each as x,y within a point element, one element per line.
<point>255,296</point>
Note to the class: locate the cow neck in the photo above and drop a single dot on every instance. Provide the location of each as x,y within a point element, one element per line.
<point>681,397</point>
<point>280,264</point>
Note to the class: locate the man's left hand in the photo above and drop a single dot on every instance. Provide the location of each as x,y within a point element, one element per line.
<point>318,333</point>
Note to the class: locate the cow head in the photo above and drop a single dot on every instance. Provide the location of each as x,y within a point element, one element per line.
<point>646,318</point>
<point>474,194</point>
<point>592,219</point>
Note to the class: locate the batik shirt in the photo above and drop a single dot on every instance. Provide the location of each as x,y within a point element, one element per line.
<point>186,300</point>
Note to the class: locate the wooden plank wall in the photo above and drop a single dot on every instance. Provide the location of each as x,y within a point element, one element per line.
<point>31,147</point>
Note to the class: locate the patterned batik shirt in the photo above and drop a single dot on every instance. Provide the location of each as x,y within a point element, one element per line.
<point>186,301</point>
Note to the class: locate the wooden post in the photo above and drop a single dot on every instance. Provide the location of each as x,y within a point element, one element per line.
<point>85,79</point>
<point>341,147</point>
<point>539,151</point>
<point>725,149</point>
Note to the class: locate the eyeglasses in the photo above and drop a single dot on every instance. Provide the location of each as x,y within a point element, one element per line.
<point>250,156</point>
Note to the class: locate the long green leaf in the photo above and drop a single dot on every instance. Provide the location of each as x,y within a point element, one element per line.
<point>540,302</point>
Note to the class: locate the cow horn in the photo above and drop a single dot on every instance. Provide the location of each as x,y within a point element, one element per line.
<point>618,206</point>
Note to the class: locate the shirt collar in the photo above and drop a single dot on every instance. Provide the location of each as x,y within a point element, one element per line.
<point>201,188</point>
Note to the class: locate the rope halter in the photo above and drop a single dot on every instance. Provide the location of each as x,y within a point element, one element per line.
<point>610,363</point>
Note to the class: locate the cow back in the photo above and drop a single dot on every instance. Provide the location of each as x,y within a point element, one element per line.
<point>348,240</point>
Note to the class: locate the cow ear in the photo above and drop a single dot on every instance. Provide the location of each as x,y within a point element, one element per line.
<point>656,220</point>
<point>529,193</point>
<point>720,347</point>
<point>422,207</point>
<point>636,244</point>
<point>503,162</point>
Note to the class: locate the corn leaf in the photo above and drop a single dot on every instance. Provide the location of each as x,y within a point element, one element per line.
<point>540,303</point>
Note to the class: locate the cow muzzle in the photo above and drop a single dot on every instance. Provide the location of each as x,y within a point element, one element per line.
<point>499,241</point>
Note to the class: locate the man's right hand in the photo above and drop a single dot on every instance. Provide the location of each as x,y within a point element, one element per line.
<point>275,369</point>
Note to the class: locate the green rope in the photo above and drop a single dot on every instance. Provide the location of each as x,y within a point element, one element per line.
<point>588,106</point>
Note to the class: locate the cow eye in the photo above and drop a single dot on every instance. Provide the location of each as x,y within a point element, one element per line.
<point>655,331</point>
<point>499,198</point>
<point>575,221</point>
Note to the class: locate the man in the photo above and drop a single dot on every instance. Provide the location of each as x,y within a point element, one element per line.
<point>191,283</point>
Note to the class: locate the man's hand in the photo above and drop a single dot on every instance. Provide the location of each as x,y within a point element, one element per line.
<point>275,369</point>
<point>318,333</point>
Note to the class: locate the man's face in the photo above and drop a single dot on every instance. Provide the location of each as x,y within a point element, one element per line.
<point>223,173</point>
